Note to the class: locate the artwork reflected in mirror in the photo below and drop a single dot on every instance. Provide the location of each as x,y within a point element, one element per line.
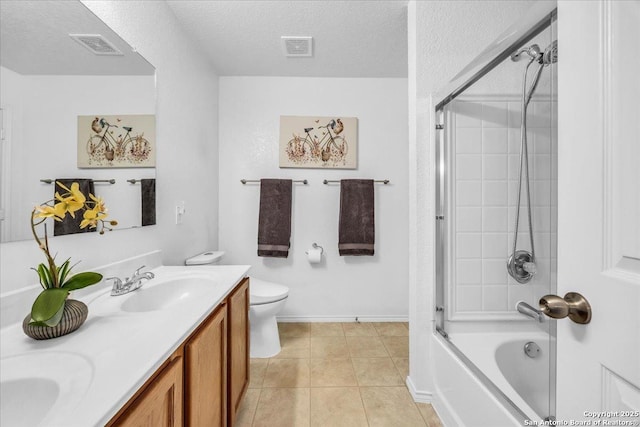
<point>48,79</point>
<point>124,141</point>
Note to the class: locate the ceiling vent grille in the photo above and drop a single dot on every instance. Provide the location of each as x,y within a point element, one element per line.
<point>297,46</point>
<point>96,44</point>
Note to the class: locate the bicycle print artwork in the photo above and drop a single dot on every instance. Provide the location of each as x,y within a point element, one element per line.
<point>318,142</point>
<point>125,141</point>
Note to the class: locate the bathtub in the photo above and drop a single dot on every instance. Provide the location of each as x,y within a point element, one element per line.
<point>522,381</point>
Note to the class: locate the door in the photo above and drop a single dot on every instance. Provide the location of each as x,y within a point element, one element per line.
<point>599,208</point>
<point>160,404</point>
<point>205,366</point>
<point>238,342</point>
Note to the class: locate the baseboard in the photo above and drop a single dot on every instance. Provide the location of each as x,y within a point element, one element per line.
<point>418,396</point>
<point>312,319</point>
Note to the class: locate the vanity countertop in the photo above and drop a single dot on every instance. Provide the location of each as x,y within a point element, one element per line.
<point>99,367</point>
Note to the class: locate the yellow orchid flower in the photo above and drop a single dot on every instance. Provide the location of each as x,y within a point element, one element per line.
<point>98,203</point>
<point>73,200</point>
<point>57,211</point>
<point>77,194</point>
<point>91,218</point>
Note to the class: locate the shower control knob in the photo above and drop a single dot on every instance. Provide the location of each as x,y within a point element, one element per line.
<point>530,267</point>
<point>517,266</point>
<point>573,305</point>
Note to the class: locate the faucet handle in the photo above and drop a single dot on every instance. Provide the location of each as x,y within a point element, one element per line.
<point>138,271</point>
<point>116,280</point>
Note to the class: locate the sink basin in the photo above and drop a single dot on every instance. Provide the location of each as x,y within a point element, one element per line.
<point>43,384</point>
<point>166,293</point>
<point>18,397</point>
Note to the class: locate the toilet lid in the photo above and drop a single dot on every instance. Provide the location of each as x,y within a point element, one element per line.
<point>262,292</point>
<point>209,257</point>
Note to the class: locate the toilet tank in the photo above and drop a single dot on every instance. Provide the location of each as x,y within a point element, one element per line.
<point>209,257</point>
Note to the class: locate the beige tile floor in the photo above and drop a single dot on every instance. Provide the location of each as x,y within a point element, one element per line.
<point>335,374</point>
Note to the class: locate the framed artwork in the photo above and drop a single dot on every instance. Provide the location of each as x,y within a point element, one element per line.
<point>127,141</point>
<point>318,142</point>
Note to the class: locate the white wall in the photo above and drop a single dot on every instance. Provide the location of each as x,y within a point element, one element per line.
<point>340,287</point>
<point>187,160</point>
<point>444,36</point>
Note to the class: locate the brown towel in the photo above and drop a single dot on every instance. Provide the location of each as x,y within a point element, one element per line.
<point>274,223</point>
<point>71,225</point>
<point>148,191</point>
<point>357,223</point>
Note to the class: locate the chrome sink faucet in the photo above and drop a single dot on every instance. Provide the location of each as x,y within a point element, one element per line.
<point>130,284</point>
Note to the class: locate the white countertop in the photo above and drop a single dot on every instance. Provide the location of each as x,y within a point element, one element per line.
<point>100,366</point>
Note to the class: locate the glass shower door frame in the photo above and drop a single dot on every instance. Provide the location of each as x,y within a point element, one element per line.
<point>537,23</point>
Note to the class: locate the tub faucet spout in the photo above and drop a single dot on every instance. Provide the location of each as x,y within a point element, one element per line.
<point>530,311</point>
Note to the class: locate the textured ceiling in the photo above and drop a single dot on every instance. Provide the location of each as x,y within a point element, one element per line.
<point>35,39</point>
<point>354,38</point>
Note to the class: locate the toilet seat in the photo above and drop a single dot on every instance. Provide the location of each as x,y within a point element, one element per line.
<point>263,292</point>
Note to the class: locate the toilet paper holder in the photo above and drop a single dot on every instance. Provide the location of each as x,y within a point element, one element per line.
<point>316,246</point>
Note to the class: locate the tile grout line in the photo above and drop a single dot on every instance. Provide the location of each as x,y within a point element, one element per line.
<point>255,410</point>
<point>364,409</point>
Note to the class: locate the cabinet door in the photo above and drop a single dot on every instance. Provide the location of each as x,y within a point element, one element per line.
<point>206,373</point>
<point>238,309</point>
<point>160,403</point>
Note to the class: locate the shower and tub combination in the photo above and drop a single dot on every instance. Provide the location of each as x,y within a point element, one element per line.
<point>496,192</point>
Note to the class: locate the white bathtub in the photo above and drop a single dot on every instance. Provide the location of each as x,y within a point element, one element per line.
<point>501,358</point>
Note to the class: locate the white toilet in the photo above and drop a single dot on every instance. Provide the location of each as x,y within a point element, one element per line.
<point>266,299</point>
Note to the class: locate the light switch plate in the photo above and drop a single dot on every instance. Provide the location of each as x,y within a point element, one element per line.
<point>180,211</point>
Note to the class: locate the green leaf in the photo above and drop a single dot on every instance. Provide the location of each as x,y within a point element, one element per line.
<point>82,280</point>
<point>48,307</point>
<point>56,317</point>
<point>63,271</point>
<point>45,276</point>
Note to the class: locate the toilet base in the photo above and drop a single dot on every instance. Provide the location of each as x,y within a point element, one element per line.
<point>265,340</point>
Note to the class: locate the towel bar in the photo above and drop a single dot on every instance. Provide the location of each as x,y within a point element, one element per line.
<point>384,181</point>
<point>133,181</point>
<point>244,181</point>
<point>51,181</point>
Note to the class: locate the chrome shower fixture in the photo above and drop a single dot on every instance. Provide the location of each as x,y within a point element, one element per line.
<point>521,264</point>
<point>533,52</point>
<point>550,55</point>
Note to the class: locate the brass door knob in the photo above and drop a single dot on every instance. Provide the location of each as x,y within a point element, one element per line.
<point>573,305</point>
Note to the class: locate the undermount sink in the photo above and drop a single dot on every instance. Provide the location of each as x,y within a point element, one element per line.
<point>166,293</point>
<point>44,384</point>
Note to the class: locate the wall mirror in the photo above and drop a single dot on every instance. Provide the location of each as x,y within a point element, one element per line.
<point>47,80</point>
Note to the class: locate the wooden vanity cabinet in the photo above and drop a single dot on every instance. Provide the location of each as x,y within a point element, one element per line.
<point>159,402</point>
<point>205,372</point>
<point>238,311</point>
<point>203,382</point>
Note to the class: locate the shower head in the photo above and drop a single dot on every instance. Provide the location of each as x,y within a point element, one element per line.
<point>550,55</point>
<point>533,52</point>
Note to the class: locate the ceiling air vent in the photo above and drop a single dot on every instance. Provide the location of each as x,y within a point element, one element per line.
<point>297,46</point>
<point>96,44</point>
